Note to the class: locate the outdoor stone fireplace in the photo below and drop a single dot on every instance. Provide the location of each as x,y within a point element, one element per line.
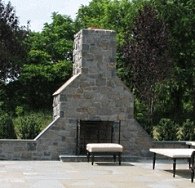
<point>97,99</point>
<point>92,106</point>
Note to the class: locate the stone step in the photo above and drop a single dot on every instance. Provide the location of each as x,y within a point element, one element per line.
<point>83,158</point>
<point>73,158</point>
<point>99,158</point>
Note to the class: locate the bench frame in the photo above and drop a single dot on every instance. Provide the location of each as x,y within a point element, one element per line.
<point>191,161</point>
<point>174,162</point>
<point>93,154</point>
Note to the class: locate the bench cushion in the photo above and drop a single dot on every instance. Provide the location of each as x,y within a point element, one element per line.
<point>173,152</point>
<point>104,147</point>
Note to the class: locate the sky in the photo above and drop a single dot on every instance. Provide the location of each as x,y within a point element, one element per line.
<point>40,11</point>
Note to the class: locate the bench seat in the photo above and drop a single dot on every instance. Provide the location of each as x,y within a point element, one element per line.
<point>104,148</point>
<point>176,153</point>
<point>173,152</point>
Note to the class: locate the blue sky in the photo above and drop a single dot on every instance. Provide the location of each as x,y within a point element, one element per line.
<point>40,11</point>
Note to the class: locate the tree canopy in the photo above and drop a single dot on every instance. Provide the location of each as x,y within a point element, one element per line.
<point>12,43</point>
<point>48,64</point>
<point>56,39</point>
<point>146,52</point>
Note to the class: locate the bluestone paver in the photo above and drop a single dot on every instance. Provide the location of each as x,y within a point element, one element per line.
<point>57,174</point>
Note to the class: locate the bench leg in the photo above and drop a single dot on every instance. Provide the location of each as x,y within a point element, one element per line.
<point>189,162</point>
<point>174,167</point>
<point>92,158</point>
<point>192,175</point>
<point>154,160</point>
<point>192,166</point>
<point>119,158</point>
<point>88,156</point>
<point>114,157</point>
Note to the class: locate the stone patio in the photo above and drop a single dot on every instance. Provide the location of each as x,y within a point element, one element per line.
<point>57,174</point>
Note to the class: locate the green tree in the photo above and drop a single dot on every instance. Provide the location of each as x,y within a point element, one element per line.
<point>55,41</point>
<point>34,88</point>
<point>48,65</point>
<point>108,14</point>
<point>12,45</point>
<point>40,82</point>
<point>146,52</point>
<point>146,56</point>
<point>180,17</point>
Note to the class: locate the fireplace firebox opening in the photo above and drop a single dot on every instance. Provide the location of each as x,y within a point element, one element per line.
<point>96,131</point>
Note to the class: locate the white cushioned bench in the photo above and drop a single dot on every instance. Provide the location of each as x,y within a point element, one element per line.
<point>173,153</point>
<point>104,148</point>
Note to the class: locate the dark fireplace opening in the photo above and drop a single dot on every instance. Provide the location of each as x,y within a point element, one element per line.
<point>94,132</point>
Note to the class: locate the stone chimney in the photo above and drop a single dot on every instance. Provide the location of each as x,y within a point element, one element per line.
<point>94,53</point>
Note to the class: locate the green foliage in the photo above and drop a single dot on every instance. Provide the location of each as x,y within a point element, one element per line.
<point>38,57</point>
<point>55,41</point>
<point>180,17</point>
<point>117,15</point>
<point>174,97</point>
<point>38,82</point>
<point>29,125</point>
<point>186,131</point>
<point>146,53</point>
<point>142,116</point>
<point>19,111</point>
<point>2,97</point>
<point>12,45</point>
<point>146,60</point>
<point>6,126</point>
<point>47,67</point>
<point>169,130</point>
<point>166,129</point>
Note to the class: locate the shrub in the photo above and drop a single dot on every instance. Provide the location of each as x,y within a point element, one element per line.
<point>165,130</point>
<point>186,131</point>
<point>6,126</point>
<point>29,125</point>
<point>142,116</point>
